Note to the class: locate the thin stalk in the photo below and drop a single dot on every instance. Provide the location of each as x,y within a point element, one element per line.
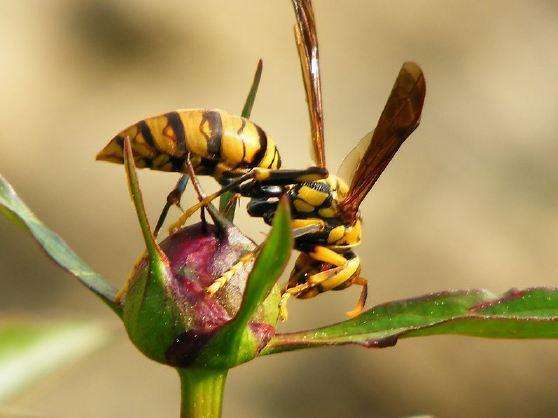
<point>202,392</point>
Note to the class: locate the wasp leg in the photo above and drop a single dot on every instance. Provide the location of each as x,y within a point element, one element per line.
<point>229,209</point>
<point>362,298</point>
<point>328,256</point>
<point>173,198</point>
<point>315,224</point>
<point>207,200</point>
<point>345,273</point>
<point>255,176</point>
<point>313,282</point>
<point>350,268</point>
<point>226,276</point>
<point>348,275</point>
<point>219,220</point>
<point>293,291</point>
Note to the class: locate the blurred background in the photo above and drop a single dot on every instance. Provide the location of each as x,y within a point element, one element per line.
<point>470,200</point>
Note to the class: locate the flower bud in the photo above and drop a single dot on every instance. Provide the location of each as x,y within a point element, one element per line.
<point>169,313</point>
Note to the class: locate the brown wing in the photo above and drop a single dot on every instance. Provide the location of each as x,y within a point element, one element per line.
<point>307,45</point>
<point>399,119</point>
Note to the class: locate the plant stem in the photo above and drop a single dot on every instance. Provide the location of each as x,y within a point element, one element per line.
<point>202,392</point>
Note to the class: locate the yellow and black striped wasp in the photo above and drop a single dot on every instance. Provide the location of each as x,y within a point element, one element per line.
<point>207,142</point>
<point>327,260</point>
<point>233,150</point>
<point>330,207</point>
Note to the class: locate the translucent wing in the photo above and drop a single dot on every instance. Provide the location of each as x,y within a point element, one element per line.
<point>398,120</point>
<point>307,45</point>
<point>349,165</point>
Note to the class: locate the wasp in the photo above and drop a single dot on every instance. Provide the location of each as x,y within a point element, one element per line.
<point>330,206</point>
<point>212,142</point>
<point>327,260</point>
<point>326,220</point>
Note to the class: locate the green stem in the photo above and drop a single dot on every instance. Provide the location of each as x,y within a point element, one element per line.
<point>202,392</point>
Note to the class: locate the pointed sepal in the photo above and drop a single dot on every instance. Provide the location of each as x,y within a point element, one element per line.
<point>237,341</point>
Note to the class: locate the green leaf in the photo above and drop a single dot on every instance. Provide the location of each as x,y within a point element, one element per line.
<point>224,208</point>
<point>530,313</point>
<point>15,210</point>
<point>30,350</point>
<point>233,343</point>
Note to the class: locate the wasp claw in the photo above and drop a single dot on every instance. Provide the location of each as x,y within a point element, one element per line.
<point>283,312</point>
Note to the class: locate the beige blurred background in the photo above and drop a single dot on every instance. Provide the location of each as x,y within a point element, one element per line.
<point>469,201</point>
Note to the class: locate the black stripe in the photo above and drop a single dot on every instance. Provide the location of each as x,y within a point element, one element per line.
<point>146,133</point>
<point>177,126</point>
<point>242,160</point>
<point>279,158</point>
<point>177,164</point>
<point>326,204</point>
<point>242,126</point>
<point>147,161</point>
<point>206,166</point>
<point>262,138</point>
<point>319,186</point>
<point>216,128</point>
<point>271,162</point>
<point>275,157</point>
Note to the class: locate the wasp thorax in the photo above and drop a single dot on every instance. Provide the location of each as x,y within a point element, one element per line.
<point>170,310</point>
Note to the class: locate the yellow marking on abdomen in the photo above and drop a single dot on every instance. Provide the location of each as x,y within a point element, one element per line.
<point>269,157</point>
<point>156,125</point>
<point>239,143</point>
<point>195,141</point>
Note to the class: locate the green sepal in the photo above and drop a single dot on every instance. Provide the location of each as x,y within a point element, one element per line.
<point>246,112</point>
<point>224,208</point>
<point>151,315</point>
<point>235,342</point>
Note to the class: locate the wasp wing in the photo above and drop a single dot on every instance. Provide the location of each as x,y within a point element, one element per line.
<point>398,120</point>
<point>307,45</point>
<point>350,162</point>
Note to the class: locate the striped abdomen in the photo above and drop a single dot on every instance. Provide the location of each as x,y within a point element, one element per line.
<point>219,143</point>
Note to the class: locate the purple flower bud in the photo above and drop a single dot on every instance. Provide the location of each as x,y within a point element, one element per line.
<point>168,311</point>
